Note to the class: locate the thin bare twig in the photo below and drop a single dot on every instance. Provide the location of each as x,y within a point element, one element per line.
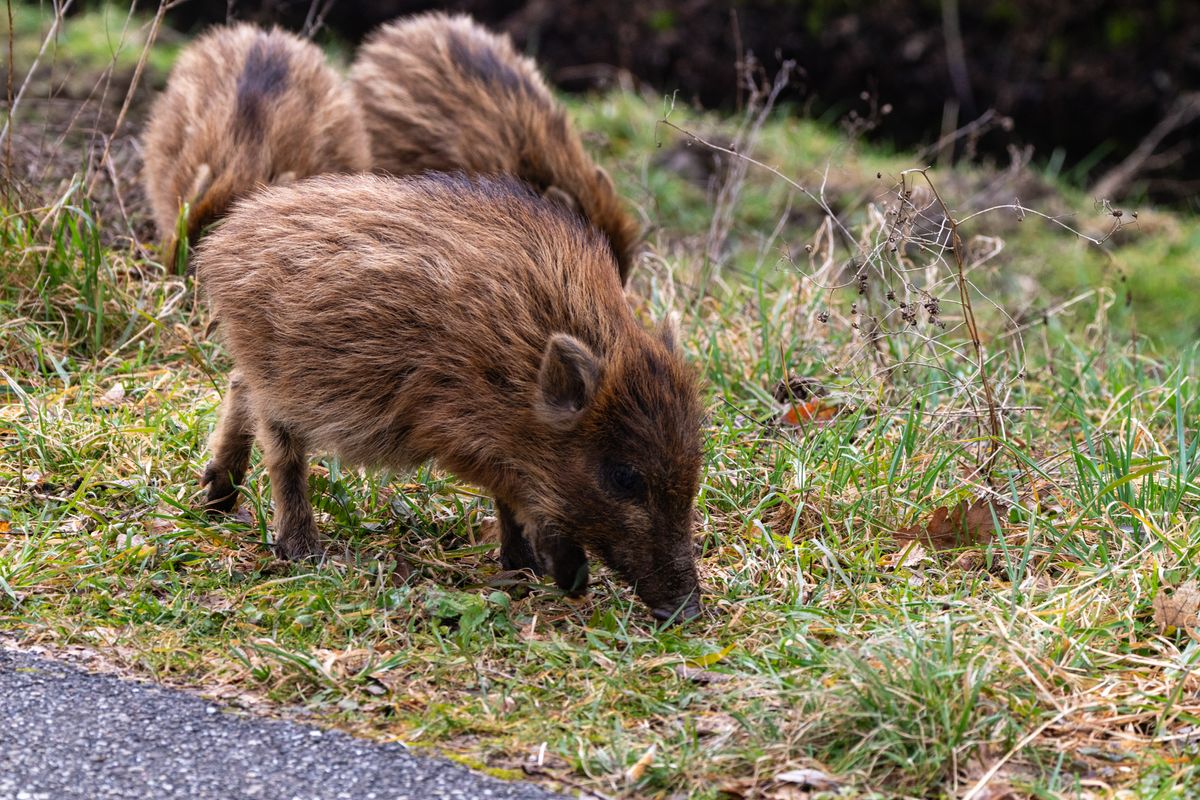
<point>1184,111</point>
<point>155,25</point>
<point>849,237</point>
<point>59,13</point>
<point>8,158</point>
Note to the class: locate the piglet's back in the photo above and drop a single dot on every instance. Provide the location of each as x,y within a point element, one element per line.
<point>246,106</point>
<point>392,296</point>
<point>442,93</point>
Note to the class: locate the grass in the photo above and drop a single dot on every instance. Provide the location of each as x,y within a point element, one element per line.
<point>1031,662</point>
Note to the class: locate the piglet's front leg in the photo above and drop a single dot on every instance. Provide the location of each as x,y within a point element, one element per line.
<point>565,561</point>
<point>553,553</point>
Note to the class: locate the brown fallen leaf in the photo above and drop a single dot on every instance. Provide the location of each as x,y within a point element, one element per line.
<point>634,773</point>
<point>489,529</point>
<point>215,602</point>
<point>810,412</point>
<point>970,560</point>
<point>402,571</point>
<point>968,525</point>
<point>715,724</point>
<point>737,789</point>
<point>1179,610</point>
<point>795,518</point>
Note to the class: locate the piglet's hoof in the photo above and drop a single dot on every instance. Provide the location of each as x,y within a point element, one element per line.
<point>222,494</point>
<point>517,555</point>
<point>569,565</point>
<point>298,545</point>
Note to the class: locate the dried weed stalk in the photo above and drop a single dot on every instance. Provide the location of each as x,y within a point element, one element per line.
<point>916,278</point>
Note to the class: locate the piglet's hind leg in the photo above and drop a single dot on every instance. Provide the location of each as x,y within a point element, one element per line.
<point>287,464</point>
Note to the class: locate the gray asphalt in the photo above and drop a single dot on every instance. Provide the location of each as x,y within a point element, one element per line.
<point>67,734</point>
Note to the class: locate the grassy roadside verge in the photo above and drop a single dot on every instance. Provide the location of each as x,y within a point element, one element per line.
<point>1031,661</point>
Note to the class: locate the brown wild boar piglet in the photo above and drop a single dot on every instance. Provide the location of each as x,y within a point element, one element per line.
<point>243,107</point>
<point>442,93</point>
<point>470,322</point>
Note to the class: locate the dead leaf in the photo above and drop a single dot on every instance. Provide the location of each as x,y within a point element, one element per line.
<point>801,521</point>
<point>968,525</point>
<point>701,676</point>
<point>970,561</point>
<point>912,556</point>
<point>634,773</point>
<point>794,784</point>
<point>159,526</point>
<point>392,681</point>
<point>4,526</point>
<point>401,572</point>
<point>715,725</point>
<point>999,790</point>
<point>814,780</point>
<point>216,602</point>
<point>810,412</point>
<point>113,397</point>
<point>738,789</point>
<point>489,529</point>
<point>1179,610</point>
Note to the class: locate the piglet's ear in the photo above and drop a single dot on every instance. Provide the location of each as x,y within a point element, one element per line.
<point>201,182</point>
<point>562,198</point>
<point>567,378</point>
<point>605,179</point>
<point>668,332</point>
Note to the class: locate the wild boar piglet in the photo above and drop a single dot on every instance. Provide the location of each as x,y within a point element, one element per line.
<point>443,93</point>
<point>245,107</point>
<point>470,322</point>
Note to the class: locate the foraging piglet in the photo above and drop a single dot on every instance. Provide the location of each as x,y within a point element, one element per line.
<point>470,322</point>
<point>443,93</point>
<point>243,107</point>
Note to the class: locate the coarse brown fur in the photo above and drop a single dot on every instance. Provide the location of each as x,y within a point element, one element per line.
<point>472,323</point>
<point>442,93</point>
<point>244,107</point>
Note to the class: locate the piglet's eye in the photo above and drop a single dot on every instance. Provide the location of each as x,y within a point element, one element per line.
<point>624,480</point>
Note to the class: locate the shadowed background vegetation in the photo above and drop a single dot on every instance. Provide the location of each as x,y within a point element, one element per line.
<point>1081,83</point>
